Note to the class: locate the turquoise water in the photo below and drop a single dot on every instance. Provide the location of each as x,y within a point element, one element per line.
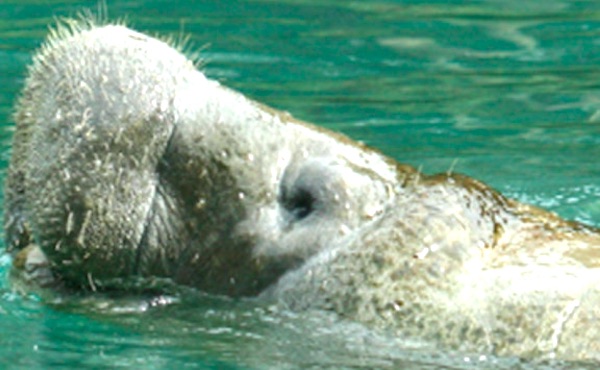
<point>505,91</point>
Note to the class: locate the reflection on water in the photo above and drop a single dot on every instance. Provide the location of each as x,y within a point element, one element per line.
<point>505,91</point>
<point>176,332</point>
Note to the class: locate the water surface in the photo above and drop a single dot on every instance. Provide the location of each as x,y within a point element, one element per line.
<point>505,91</point>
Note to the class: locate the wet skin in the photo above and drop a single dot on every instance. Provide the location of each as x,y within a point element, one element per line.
<point>128,164</point>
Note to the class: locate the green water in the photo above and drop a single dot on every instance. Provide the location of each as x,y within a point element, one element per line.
<point>506,91</point>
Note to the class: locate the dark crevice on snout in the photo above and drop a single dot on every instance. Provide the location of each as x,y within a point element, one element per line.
<point>143,243</point>
<point>144,239</point>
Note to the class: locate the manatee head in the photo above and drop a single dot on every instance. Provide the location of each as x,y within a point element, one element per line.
<point>128,161</point>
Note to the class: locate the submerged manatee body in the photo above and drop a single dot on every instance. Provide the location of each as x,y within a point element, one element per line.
<point>128,163</point>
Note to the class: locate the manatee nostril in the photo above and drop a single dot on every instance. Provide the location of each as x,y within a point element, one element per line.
<point>300,204</point>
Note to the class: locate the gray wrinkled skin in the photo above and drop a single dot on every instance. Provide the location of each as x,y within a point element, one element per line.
<point>128,163</point>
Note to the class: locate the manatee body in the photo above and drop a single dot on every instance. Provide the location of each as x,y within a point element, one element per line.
<point>128,164</point>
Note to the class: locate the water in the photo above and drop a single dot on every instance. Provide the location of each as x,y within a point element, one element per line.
<point>505,91</point>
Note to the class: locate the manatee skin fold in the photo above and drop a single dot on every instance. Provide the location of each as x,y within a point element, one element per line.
<point>129,164</point>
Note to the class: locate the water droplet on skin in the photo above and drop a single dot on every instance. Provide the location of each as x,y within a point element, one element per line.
<point>344,230</point>
<point>372,212</point>
<point>200,203</point>
<point>422,254</point>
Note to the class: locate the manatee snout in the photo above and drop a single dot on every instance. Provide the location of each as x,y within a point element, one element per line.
<point>143,167</point>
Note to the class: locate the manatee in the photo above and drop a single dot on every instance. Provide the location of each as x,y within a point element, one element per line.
<point>128,164</point>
